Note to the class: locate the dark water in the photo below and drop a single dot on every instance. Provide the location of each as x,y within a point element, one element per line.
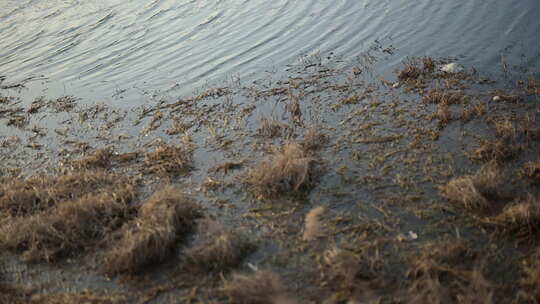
<point>108,49</point>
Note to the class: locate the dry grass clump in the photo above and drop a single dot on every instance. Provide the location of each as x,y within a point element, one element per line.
<point>439,275</point>
<point>410,71</point>
<point>261,287</point>
<point>313,140</point>
<point>290,169</point>
<point>270,128</point>
<point>496,149</point>
<point>473,191</point>
<point>530,284</point>
<point>68,227</point>
<point>531,170</point>
<point>218,248</point>
<point>533,86</point>
<point>168,161</point>
<point>443,113</point>
<point>428,64</point>
<point>521,217</point>
<point>27,196</point>
<point>312,224</point>
<point>468,112</point>
<point>100,158</point>
<point>161,220</point>
<point>85,297</point>
<point>442,96</point>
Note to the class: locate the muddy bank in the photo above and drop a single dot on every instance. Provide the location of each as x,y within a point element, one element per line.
<point>331,185</point>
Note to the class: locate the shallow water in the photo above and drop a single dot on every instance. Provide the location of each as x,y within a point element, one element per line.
<point>122,50</point>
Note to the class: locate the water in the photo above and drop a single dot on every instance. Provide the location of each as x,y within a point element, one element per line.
<point>122,50</point>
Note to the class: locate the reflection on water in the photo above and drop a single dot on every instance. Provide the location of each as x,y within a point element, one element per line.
<point>96,48</point>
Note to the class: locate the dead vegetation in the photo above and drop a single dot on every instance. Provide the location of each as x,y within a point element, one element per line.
<point>20,197</point>
<point>218,248</point>
<point>168,161</point>
<point>270,128</point>
<point>442,96</point>
<point>261,287</point>
<point>85,297</point>
<point>313,140</point>
<point>312,224</point>
<point>150,237</point>
<point>414,68</point>
<point>441,274</point>
<point>69,227</point>
<point>530,284</point>
<point>522,218</point>
<point>289,169</point>
<point>475,191</point>
<point>496,149</point>
<point>531,171</point>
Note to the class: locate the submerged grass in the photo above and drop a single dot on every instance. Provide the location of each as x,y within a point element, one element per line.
<point>151,236</point>
<point>168,161</point>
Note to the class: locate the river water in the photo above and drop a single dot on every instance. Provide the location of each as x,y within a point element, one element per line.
<point>104,49</point>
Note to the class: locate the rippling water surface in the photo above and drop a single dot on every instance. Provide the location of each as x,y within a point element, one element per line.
<point>98,48</point>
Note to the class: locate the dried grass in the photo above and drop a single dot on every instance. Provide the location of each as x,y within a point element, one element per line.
<point>521,217</point>
<point>313,140</point>
<point>218,248</point>
<point>270,128</point>
<point>531,171</point>
<point>312,224</point>
<point>161,220</point>
<point>100,158</point>
<point>85,297</point>
<point>20,197</point>
<point>473,191</point>
<point>68,227</point>
<point>168,161</point>
<point>442,96</point>
<point>261,287</point>
<point>289,169</point>
<point>530,284</point>
<point>497,149</point>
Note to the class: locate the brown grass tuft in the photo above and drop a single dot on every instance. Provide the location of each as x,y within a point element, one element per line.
<point>86,297</point>
<point>68,227</point>
<point>473,191</point>
<point>218,249</point>
<point>530,284</point>
<point>313,140</point>
<point>20,197</point>
<point>270,128</point>
<point>161,220</point>
<point>100,158</point>
<point>312,224</point>
<point>410,71</point>
<point>261,287</point>
<point>168,161</point>
<point>442,96</point>
<point>531,170</point>
<point>521,217</point>
<point>443,113</point>
<point>289,169</point>
<point>497,149</point>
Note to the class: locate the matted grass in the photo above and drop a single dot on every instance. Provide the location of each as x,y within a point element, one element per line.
<point>150,237</point>
<point>261,287</point>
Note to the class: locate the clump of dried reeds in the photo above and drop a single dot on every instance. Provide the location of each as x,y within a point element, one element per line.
<point>473,191</point>
<point>497,149</point>
<point>443,113</point>
<point>168,161</point>
<point>218,248</point>
<point>290,169</point>
<point>531,170</point>
<point>440,275</point>
<point>150,237</point>
<point>270,128</point>
<point>68,227</point>
<point>312,224</point>
<point>521,217</point>
<point>530,284</point>
<point>313,140</point>
<point>100,158</point>
<point>442,96</point>
<point>20,196</point>
<point>410,71</point>
<point>261,287</point>
<point>83,297</point>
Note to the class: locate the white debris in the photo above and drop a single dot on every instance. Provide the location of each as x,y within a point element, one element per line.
<point>452,68</point>
<point>409,236</point>
<point>396,85</point>
<point>496,98</point>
